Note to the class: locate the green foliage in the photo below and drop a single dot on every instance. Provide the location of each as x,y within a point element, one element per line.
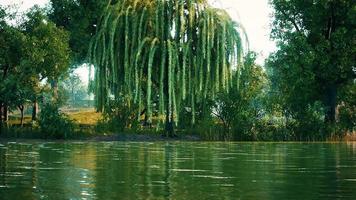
<point>174,50</point>
<point>2,15</point>
<point>13,81</point>
<point>46,47</point>
<point>75,91</point>
<point>240,109</point>
<point>118,116</point>
<point>314,63</point>
<point>309,124</point>
<point>30,52</point>
<point>179,62</point>
<point>347,109</point>
<point>80,19</point>
<point>54,123</point>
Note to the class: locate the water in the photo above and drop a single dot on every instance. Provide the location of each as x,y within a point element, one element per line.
<point>115,170</point>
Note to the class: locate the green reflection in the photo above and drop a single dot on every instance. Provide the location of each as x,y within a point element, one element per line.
<point>115,170</point>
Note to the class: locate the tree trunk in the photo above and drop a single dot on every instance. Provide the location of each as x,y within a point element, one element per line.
<point>21,107</point>
<point>34,110</point>
<point>54,85</point>
<point>73,96</point>
<point>169,128</point>
<point>0,118</point>
<point>5,113</point>
<point>1,108</point>
<point>331,98</point>
<point>146,122</point>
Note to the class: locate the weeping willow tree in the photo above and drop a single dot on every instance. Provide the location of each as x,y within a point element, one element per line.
<point>164,54</point>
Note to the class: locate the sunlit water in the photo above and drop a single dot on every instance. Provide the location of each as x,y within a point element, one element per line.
<point>115,170</point>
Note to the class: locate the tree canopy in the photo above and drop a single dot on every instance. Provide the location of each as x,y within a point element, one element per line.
<point>80,19</point>
<point>164,55</point>
<point>316,56</point>
<point>31,52</point>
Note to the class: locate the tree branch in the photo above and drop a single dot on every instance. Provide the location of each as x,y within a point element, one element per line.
<point>221,118</point>
<point>292,21</point>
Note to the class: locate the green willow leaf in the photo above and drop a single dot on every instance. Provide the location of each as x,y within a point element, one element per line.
<point>164,55</point>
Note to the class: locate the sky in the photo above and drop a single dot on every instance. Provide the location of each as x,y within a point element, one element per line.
<point>255,17</point>
<point>253,14</point>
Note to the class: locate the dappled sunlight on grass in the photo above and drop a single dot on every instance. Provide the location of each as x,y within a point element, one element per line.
<point>85,117</point>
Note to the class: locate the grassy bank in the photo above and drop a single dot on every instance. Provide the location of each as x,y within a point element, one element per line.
<point>85,128</point>
<point>88,125</point>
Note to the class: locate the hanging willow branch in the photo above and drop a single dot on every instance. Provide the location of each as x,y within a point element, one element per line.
<point>173,52</point>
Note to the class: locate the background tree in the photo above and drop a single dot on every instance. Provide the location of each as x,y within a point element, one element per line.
<point>315,60</point>
<point>241,109</point>
<point>73,82</point>
<point>34,51</point>
<point>80,19</point>
<point>11,39</point>
<point>76,90</point>
<point>47,49</point>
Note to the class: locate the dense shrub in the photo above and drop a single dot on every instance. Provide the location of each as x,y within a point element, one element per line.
<point>347,119</point>
<point>118,115</point>
<point>54,123</point>
<point>309,123</point>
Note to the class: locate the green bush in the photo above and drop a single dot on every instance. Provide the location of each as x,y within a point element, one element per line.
<point>118,115</point>
<point>306,124</point>
<point>347,119</point>
<point>54,123</point>
<point>237,115</point>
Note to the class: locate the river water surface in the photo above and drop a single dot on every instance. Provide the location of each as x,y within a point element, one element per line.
<point>182,170</point>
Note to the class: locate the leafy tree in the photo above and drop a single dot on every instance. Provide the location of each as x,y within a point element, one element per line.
<point>81,94</point>
<point>80,19</point>
<point>11,51</point>
<point>18,83</point>
<point>34,51</point>
<point>77,91</point>
<point>2,16</point>
<point>173,53</point>
<point>315,58</point>
<point>46,49</point>
<point>347,109</point>
<point>240,109</point>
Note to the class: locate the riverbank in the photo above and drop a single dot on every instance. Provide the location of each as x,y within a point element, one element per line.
<point>350,137</point>
<point>144,137</point>
<point>113,138</point>
<point>86,129</point>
